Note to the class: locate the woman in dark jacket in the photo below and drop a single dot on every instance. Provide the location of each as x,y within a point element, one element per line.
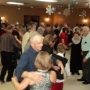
<point>76,57</point>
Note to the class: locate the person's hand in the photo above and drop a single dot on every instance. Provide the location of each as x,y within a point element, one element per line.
<point>14,79</point>
<point>28,81</point>
<point>60,64</point>
<point>84,60</point>
<point>56,68</point>
<point>36,77</point>
<point>69,44</point>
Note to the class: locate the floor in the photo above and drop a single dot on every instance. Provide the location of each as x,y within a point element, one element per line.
<point>70,82</point>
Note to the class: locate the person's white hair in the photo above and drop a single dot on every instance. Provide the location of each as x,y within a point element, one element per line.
<point>35,37</point>
<point>86,28</point>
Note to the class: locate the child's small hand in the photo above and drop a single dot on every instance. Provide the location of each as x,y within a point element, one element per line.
<point>14,78</point>
<point>56,68</point>
<point>62,71</point>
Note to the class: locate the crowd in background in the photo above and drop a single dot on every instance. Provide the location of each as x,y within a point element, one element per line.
<point>15,39</point>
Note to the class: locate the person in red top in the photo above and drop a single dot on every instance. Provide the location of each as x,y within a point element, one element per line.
<point>63,38</point>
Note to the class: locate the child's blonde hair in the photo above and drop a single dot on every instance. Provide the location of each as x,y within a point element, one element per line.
<point>61,48</point>
<point>43,61</point>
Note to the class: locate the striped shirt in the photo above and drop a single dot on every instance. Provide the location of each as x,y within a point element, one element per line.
<point>7,42</point>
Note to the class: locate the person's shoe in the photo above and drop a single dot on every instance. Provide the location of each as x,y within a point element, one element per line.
<point>86,82</point>
<point>80,79</point>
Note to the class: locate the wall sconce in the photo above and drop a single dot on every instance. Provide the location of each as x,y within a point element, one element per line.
<point>3,19</point>
<point>47,19</point>
<point>85,21</point>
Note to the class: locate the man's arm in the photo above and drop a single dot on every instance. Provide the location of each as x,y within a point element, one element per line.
<point>22,85</point>
<point>60,64</point>
<point>21,66</point>
<point>55,57</point>
<point>60,61</point>
<point>35,77</point>
<point>88,55</point>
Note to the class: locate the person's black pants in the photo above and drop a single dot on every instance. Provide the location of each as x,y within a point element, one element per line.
<point>86,71</point>
<point>7,65</point>
<point>86,68</point>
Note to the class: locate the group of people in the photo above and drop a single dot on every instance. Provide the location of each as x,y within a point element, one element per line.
<point>85,46</point>
<point>39,68</point>
<point>80,55</point>
<point>30,56</point>
<point>28,61</point>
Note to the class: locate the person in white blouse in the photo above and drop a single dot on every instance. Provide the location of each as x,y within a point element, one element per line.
<point>27,35</point>
<point>85,45</point>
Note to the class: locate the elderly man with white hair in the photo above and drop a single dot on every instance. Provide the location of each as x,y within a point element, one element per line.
<point>27,59</point>
<point>85,45</point>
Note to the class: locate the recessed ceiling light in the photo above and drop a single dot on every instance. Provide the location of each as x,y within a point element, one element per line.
<point>47,0</point>
<point>15,3</point>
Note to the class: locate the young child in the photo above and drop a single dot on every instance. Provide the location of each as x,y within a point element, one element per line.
<point>43,64</point>
<point>60,77</point>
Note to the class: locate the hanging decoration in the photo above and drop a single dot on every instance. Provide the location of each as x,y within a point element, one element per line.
<point>71,5</point>
<point>83,14</point>
<point>67,11</point>
<point>50,9</point>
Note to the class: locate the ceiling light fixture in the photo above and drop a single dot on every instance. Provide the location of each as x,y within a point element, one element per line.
<point>15,3</point>
<point>47,0</point>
